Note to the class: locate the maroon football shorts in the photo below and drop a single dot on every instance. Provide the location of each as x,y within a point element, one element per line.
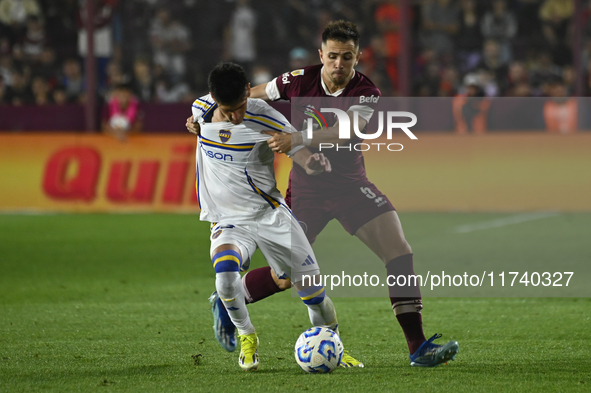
<point>352,207</point>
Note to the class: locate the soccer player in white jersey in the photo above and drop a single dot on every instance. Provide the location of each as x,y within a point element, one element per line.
<point>238,195</point>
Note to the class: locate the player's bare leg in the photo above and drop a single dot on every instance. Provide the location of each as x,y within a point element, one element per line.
<point>385,237</point>
<point>227,261</point>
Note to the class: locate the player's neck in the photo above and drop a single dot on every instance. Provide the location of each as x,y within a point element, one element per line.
<point>217,116</point>
<point>332,87</point>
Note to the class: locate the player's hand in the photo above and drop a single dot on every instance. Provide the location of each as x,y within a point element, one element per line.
<point>193,128</point>
<point>317,163</point>
<point>280,142</point>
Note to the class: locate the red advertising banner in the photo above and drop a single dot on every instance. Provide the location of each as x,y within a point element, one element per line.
<point>96,173</point>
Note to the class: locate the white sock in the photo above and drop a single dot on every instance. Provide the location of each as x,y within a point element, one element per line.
<point>231,292</point>
<point>324,315</point>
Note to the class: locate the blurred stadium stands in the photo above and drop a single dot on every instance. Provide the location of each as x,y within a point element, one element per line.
<point>163,49</point>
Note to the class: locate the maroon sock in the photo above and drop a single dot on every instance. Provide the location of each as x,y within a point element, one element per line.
<point>259,284</point>
<point>406,300</point>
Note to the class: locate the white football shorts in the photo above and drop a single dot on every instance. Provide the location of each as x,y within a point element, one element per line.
<point>280,238</point>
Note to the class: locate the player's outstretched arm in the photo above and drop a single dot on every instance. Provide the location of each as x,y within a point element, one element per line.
<point>259,91</point>
<point>193,128</point>
<point>283,142</point>
<point>314,164</point>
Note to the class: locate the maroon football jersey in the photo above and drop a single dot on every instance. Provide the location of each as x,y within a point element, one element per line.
<point>348,169</point>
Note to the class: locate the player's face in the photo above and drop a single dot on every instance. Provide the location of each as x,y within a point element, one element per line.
<point>234,113</point>
<point>338,59</point>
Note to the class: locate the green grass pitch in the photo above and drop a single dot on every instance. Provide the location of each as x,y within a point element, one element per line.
<point>111,302</point>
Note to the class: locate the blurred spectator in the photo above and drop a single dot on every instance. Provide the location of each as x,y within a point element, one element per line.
<point>469,38</point>
<point>3,90</point>
<point>59,95</point>
<point>104,48</point>
<point>449,85</point>
<point>470,109</point>
<point>41,91</point>
<point>430,80</point>
<point>19,92</point>
<point>569,80</point>
<point>374,64</point>
<point>6,69</point>
<point>556,18</point>
<point>517,78</point>
<point>170,42</point>
<point>14,13</point>
<point>560,111</point>
<point>500,25</point>
<point>440,25</point>
<point>120,113</point>
<point>544,71</point>
<point>34,41</point>
<point>47,66</point>
<point>240,45</point>
<point>73,80</point>
<point>114,76</point>
<point>387,18</point>
<point>168,92</point>
<point>492,62</point>
<point>142,82</point>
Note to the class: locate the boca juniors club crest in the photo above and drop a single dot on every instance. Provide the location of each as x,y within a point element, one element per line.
<point>225,135</point>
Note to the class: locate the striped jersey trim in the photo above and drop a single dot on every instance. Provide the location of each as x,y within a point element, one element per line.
<point>277,126</point>
<point>271,119</point>
<point>270,200</point>
<point>226,146</point>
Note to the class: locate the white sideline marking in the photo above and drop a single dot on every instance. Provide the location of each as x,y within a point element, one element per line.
<point>501,222</point>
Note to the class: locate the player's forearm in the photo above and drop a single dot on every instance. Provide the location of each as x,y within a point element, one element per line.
<point>259,91</point>
<point>327,135</point>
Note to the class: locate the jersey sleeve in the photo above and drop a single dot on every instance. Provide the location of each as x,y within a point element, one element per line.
<point>201,107</point>
<point>285,86</point>
<point>272,119</point>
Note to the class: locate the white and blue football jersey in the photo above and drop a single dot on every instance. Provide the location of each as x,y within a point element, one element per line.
<point>235,173</point>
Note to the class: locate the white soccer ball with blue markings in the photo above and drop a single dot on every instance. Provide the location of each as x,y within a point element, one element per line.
<point>318,350</point>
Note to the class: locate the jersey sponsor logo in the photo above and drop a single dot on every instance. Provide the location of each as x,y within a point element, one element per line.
<point>225,135</point>
<point>369,100</point>
<point>217,234</point>
<point>216,155</point>
<point>297,72</point>
<point>285,78</point>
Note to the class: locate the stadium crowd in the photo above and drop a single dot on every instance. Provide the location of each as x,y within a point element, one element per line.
<point>161,49</point>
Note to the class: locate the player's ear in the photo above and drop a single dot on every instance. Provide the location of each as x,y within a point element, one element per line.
<point>357,57</point>
<point>320,55</point>
<point>213,98</point>
<point>247,90</point>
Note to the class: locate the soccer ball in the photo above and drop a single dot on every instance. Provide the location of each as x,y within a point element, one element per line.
<point>318,350</point>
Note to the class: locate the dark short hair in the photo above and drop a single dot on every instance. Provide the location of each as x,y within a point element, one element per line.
<point>227,83</point>
<point>341,31</point>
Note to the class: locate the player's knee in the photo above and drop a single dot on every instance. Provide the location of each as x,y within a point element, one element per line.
<point>283,284</point>
<point>225,283</point>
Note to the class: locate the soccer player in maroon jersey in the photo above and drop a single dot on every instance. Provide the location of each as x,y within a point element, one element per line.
<point>345,194</point>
